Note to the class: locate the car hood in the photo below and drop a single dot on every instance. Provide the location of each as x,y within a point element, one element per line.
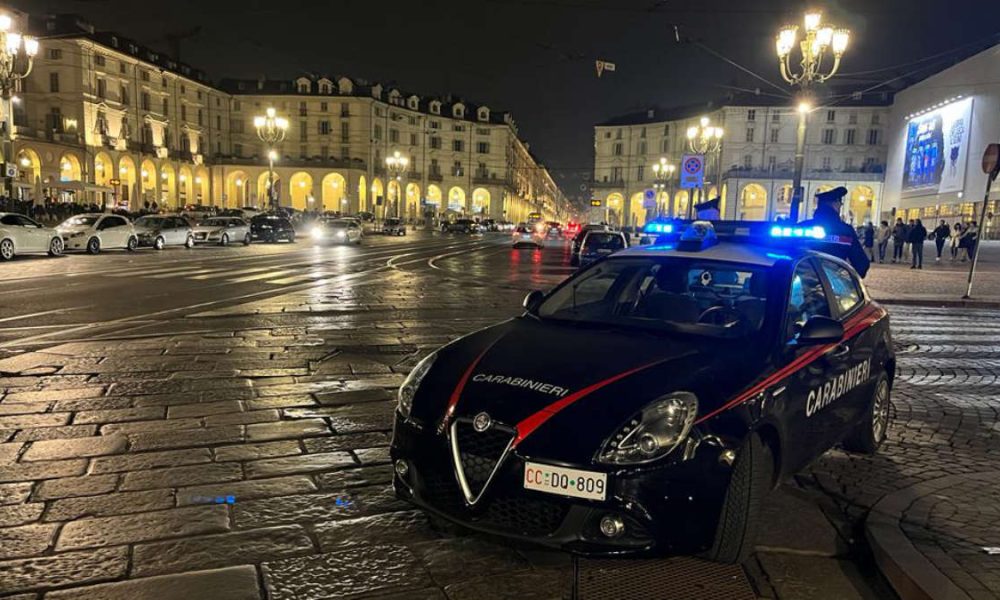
<point>567,387</point>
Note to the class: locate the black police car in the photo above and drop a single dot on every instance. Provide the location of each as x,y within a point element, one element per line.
<point>649,403</point>
<point>271,227</point>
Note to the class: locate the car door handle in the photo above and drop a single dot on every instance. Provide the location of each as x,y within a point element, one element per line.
<point>840,351</point>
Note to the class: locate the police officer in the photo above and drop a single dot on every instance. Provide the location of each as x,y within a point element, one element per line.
<point>708,210</point>
<point>827,216</point>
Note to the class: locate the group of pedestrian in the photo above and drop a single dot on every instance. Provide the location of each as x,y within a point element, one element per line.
<point>908,241</point>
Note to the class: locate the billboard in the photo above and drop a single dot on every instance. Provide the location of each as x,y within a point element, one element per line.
<point>937,148</point>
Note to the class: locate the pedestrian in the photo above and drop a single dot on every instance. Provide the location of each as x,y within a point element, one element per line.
<point>906,239</point>
<point>882,239</point>
<point>955,240</point>
<point>917,236</point>
<point>827,215</point>
<point>969,240</point>
<point>868,240</point>
<point>898,240</point>
<point>941,234</point>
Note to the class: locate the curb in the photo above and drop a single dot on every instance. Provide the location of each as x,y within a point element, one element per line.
<point>940,302</point>
<point>908,571</point>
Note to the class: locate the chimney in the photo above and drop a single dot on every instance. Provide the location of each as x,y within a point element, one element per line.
<point>260,82</point>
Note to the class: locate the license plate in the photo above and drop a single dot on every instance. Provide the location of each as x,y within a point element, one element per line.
<point>565,482</point>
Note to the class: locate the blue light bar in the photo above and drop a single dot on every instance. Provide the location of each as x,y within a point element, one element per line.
<point>815,232</point>
<point>659,228</point>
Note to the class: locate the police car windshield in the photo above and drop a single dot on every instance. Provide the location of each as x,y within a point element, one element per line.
<point>679,294</point>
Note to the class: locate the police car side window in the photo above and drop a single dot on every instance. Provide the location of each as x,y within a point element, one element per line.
<point>806,299</point>
<point>845,289</point>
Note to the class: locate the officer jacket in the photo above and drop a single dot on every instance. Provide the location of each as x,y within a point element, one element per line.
<point>854,253</point>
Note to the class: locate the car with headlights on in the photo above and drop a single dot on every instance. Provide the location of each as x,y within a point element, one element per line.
<point>272,227</point>
<point>22,235</point>
<point>649,403</point>
<point>159,231</point>
<point>94,232</point>
<point>336,231</point>
<point>393,226</point>
<point>221,231</point>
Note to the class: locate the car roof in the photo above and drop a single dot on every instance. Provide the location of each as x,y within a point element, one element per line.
<point>725,251</point>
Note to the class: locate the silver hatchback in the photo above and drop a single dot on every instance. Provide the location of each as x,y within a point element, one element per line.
<point>159,231</point>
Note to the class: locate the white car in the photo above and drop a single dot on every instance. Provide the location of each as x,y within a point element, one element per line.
<point>528,236</point>
<point>336,231</point>
<point>21,235</point>
<point>94,232</point>
<point>163,230</point>
<point>222,231</point>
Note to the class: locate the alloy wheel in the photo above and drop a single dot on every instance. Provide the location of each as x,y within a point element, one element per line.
<point>6,249</point>
<point>56,246</point>
<point>159,243</point>
<point>880,411</point>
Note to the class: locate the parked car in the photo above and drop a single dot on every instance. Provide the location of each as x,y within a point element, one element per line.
<point>221,231</point>
<point>163,230</point>
<point>94,232</point>
<point>198,212</point>
<point>21,235</point>
<point>574,256</point>
<point>490,225</point>
<point>337,231</point>
<point>271,227</point>
<point>598,244</point>
<point>393,226</point>
<point>528,236</point>
<point>461,226</point>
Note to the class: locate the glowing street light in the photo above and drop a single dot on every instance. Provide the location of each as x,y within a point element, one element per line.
<point>271,130</point>
<point>17,55</point>
<point>663,172</point>
<point>820,44</point>
<point>706,139</point>
<point>397,164</point>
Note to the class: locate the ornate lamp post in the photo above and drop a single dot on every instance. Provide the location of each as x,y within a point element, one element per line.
<point>396,165</point>
<point>271,130</point>
<point>821,42</point>
<point>663,172</point>
<point>17,53</point>
<point>706,139</point>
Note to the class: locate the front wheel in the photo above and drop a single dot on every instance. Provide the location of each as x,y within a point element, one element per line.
<point>7,249</point>
<point>93,246</point>
<point>246,240</point>
<point>224,241</point>
<point>291,238</point>
<point>56,247</point>
<point>870,432</point>
<point>189,242</point>
<point>132,244</point>
<point>159,243</point>
<point>753,474</point>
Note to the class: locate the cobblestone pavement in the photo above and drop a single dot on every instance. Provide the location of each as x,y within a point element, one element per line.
<point>942,447</point>
<point>944,281</point>
<point>240,450</point>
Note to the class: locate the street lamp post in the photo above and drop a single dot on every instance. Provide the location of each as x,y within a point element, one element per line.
<point>271,130</point>
<point>820,41</point>
<point>396,165</point>
<point>17,53</point>
<point>706,139</point>
<point>663,172</point>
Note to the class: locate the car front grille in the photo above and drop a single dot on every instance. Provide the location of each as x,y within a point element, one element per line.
<point>200,236</point>
<point>480,451</point>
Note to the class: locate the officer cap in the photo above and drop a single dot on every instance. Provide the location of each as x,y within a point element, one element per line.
<point>835,195</point>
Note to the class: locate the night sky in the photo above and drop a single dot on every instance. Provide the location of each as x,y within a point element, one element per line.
<point>536,57</point>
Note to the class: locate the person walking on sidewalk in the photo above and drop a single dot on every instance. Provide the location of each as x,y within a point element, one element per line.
<point>868,240</point>
<point>917,235</point>
<point>907,250</point>
<point>968,241</point>
<point>882,239</point>
<point>941,234</point>
<point>898,240</point>
<point>955,242</point>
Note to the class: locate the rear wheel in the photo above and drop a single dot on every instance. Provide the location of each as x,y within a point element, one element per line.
<point>159,243</point>
<point>189,242</point>
<point>225,240</point>
<point>753,474</point>
<point>7,249</point>
<point>132,244</point>
<point>93,246</point>
<point>246,240</point>
<point>56,246</point>
<point>870,432</point>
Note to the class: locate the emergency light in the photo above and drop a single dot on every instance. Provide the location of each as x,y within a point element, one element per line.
<point>815,232</point>
<point>659,228</point>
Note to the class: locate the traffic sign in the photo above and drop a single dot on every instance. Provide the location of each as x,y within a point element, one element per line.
<point>991,159</point>
<point>649,199</point>
<point>692,171</point>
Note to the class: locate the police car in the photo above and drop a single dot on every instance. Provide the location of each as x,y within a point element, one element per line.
<point>650,402</point>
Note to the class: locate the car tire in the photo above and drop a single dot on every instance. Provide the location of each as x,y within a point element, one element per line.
<point>751,481</point>
<point>56,246</point>
<point>225,240</point>
<point>159,243</point>
<point>189,242</point>
<point>870,432</point>
<point>132,244</point>
<point>6,249</point>
<point>246,240</point>
<point>291,238</point>
<point>93,246</point>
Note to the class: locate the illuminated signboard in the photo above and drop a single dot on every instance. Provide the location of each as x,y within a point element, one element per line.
<point>937,146</point>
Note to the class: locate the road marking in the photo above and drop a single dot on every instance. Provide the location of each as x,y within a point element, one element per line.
<point>43,313</point>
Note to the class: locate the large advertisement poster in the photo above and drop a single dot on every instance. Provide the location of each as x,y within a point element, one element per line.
<point>937,147</point>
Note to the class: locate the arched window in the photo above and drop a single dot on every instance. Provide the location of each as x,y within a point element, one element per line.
<point>303,85</point>
<point>458,111</point>
<point>435,107</point>
<point>483,114</point>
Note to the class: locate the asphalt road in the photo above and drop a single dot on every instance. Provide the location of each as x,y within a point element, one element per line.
<point>45,300</point>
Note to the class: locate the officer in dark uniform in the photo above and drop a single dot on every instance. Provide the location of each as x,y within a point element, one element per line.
<point>827,216</point>
<point>708,210</point>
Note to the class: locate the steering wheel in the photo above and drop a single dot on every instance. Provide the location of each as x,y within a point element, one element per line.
<point>718,315</point>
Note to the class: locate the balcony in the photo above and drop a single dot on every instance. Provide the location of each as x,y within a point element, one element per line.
<point>316,162</point>
<point>485,178</point>
<point>612,183</point>
<point>435,176</point>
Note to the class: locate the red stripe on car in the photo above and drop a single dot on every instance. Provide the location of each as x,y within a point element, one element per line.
<point>457,393</point>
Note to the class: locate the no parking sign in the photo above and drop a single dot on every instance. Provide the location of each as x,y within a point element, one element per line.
<point>692,171</point>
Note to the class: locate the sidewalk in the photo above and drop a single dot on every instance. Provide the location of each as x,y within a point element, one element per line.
<point>939,283</point>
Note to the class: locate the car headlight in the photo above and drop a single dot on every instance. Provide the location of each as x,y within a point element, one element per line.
<point>316,233</point>
<point>409,388</point>
<point>341,234</point>
<point>654,432</point>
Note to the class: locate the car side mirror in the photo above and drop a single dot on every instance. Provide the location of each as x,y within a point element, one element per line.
<point>533,300</point>
<point>820,330</point>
